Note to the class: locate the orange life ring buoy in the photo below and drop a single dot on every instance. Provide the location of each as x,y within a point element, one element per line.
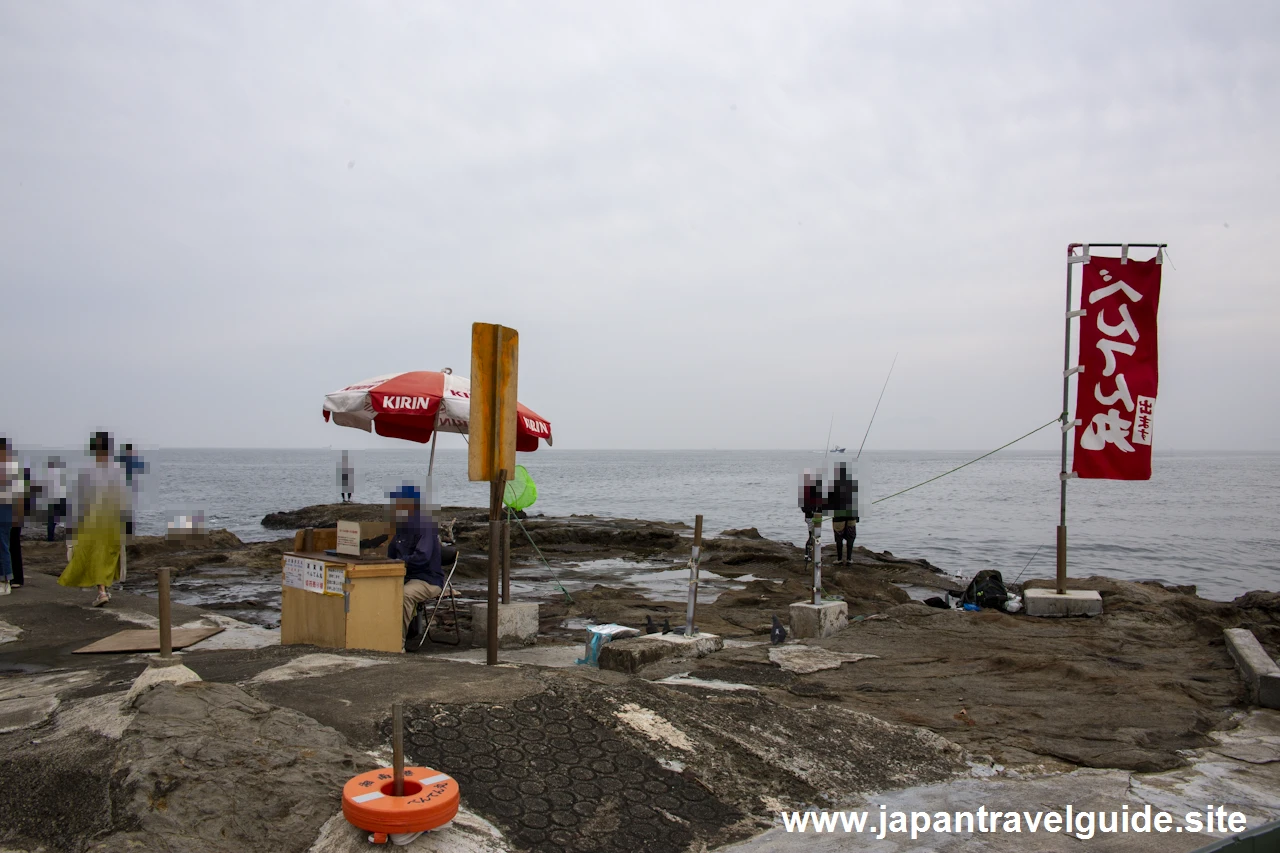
<point>430,801</point>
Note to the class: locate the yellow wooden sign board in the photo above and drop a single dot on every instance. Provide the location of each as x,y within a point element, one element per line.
<point>494,366</point>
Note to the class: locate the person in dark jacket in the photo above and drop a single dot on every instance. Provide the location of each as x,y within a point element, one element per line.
<point>844,513</point>
<point>417,542</point>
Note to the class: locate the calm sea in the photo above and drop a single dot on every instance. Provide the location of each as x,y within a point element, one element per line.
<point>1208,519</point>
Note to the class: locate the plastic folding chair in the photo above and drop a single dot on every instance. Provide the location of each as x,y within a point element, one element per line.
<point>422,624</point>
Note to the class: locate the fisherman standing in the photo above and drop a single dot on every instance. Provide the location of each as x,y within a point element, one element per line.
<point>844,513</point>
<point>812,503</point>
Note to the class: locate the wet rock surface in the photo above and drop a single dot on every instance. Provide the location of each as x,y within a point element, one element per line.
<point>554,778</point>
<point>206,766</point>
<point>1135,689</point>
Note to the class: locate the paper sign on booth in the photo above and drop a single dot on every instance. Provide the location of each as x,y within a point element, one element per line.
<point>293,572</point>
<point>313,576</point>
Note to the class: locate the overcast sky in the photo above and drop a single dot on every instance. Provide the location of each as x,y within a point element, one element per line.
<point>713,224</point>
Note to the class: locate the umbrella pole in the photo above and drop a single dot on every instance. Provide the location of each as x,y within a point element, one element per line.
<point>431,463</point>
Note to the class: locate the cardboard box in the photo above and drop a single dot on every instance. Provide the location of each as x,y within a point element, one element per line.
<point>352,533</point>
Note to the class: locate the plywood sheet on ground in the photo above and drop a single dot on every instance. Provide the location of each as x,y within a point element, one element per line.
<point>146,640</point>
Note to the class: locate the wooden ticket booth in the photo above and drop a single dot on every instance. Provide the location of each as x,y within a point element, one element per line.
<point>340,601</point>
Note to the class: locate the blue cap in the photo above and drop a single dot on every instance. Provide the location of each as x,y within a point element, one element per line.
<point>406,492</point>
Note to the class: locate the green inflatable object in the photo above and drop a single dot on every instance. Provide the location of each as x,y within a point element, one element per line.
<point>520,492</point>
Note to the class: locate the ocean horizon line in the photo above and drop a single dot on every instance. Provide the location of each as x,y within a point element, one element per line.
<point>142,445</point>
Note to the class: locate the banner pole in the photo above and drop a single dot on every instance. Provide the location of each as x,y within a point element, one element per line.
<point>1066,414</point>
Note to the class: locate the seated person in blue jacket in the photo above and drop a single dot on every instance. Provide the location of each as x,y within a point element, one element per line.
<point>416,541</point>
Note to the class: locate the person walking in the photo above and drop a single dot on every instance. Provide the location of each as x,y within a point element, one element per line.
<point>12,494</point>
<point>55,495</point>
<point>21,510</point>
<point>134,466</point>
<point>844,513</point>
<point>100,505</point>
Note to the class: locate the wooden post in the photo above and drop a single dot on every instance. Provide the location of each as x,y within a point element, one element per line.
<point>491,452</point>
<point>166,627</point>
<point>397,748</point>
<point>689,630</point>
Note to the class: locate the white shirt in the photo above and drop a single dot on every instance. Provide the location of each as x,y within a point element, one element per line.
<point>12,484</point>
<point>55,485</point>
<point>96,482</point>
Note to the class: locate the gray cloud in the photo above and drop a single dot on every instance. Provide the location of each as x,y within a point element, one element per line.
<point>712,224</point>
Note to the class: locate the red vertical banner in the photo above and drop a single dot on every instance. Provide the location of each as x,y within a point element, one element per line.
<point>1116,391</point>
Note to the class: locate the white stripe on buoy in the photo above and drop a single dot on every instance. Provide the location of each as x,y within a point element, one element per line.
<point>364,798</point>
<point>434,779</point>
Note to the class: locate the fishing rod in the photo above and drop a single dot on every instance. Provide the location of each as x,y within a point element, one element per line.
<point>877,408</point>
<point>1024,568</point>
<point>827,448</point>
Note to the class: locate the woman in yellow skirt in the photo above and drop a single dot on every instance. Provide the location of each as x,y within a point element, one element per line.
<point>97,556</point>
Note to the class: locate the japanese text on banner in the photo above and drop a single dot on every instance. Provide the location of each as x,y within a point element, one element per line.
<point>1116,391</point>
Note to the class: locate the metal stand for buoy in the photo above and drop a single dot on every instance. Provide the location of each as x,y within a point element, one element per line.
<point>689,629</point>
<point>817,559</point>
<point>397,749</point>
<point>166,618</point>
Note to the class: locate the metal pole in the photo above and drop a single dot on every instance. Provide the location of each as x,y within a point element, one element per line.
<point>817,557</point>
<point>431,463</point>
<point>506,556</point>
<point>1062,476</point>
<point>496,489</point>
<point>397,748</point>
<point>166,618</point>
<point>689,630</point>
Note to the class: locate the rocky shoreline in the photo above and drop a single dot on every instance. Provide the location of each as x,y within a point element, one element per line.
<point>688,755</point>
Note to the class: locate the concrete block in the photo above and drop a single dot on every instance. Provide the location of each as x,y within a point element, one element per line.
<point>1073,602</point>
<point>517,625</point>
<point>153,676</point>
<point>631,654</point>
<point>815,621</point>
<point>1261,674</point>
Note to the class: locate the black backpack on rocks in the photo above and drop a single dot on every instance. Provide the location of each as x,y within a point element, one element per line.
<point>986,590</point>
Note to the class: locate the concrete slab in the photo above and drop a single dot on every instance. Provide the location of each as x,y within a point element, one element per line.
<point>805,659</point>
<point>517,624</point>
<point>1261,674</point>
<point>556,657</point>
<point>26,712</point>
<point>1073,602</point>
<point>153,676</point>
<point>815,621</point>
<point>237,635</point>
<point>313,666</point>
<point>633,653</point>
<point>684,679</point>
